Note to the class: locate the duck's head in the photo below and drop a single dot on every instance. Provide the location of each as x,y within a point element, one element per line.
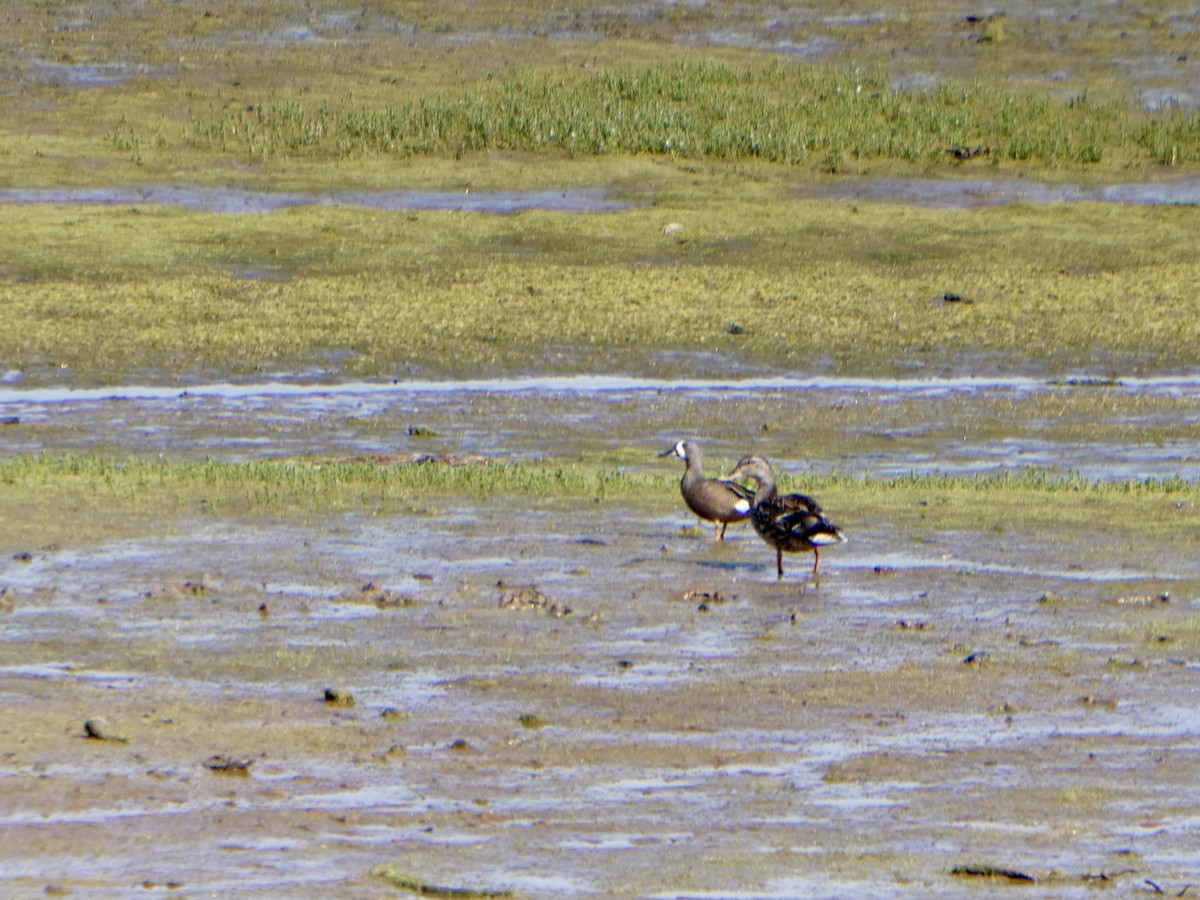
<point>683,449</point>
<point>752,467</point>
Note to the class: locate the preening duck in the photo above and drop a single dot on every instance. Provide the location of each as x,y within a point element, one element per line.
<point>790,523</point>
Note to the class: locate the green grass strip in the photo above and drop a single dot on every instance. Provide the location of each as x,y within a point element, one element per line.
<point>550,479</point>
<point>780,112</point>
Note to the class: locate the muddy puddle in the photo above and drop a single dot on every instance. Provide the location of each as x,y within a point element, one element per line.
<point>596,699</point>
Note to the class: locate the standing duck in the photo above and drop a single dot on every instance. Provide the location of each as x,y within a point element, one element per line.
<point>712,500</point>
<point>791,523</point>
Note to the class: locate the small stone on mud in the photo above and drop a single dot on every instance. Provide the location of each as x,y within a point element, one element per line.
<point>963,154</point>
<point>1125,662</point>
<point>1142,599</point>
<point>393,752</point>
<point>1106,702</point>
<point>978,658</point>
<point>991,872</point>
<point>701,596</point>
<point>459,746</point>
<point>201,586</point>
<point>7,601</point>
<point>381,597</point>
<point>23,556</point>
<point>532,598</point>
<point>530,721</point>
<point>338,697</point>
<point>389,873</point>
<point>1050,598</point>
<point>624,664</point>
<point>227,765</point>
<point>1037,642</point>
<point>392,600</point>
<point>99,729</point>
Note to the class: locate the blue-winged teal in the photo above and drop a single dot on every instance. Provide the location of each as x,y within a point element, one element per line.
<point>712,500</point>
<point>791,523</point>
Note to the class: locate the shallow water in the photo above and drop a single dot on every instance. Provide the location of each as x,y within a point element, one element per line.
<point>959,425</point>
<point>236,200</point>
<point>940,193</point>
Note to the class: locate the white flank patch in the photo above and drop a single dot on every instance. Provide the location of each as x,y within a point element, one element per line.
<point>826,538</point>
<point>742,507</point>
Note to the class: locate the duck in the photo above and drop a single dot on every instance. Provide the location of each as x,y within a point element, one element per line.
<point>791,523</point>
<point>711,499</point>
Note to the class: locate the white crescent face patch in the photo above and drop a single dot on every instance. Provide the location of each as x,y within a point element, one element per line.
<point>679,451</point>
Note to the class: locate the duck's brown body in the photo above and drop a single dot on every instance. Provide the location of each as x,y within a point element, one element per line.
<point>791,523</point>
<point>710,499</point>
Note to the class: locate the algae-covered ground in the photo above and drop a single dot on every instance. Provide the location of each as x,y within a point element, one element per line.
<point>704,127</point>
<point>337,349</point>
<point>110,293</point>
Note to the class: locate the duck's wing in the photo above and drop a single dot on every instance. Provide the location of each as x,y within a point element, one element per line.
<point>742,491</point>
<point>801,516</point>
<point>799,503</point>
<point>714,499</point>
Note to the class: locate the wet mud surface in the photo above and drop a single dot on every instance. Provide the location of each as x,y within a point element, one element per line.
<point>594,698</point>
<point>1102,429</point>
<point>978,192</point>
<point>1149,53</point>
